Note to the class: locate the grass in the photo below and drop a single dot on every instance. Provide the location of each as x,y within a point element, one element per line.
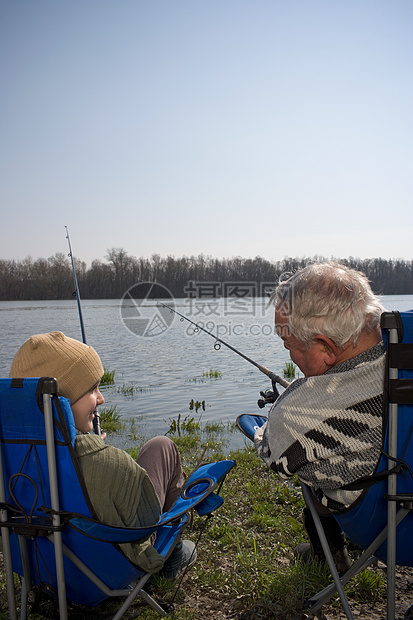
<point>245,566</point>
<point>207,374</point>
<point>129,389</point>
<point>290,371</point>
<point>108,377</point>
<point>110,419</point>
<point>197,405</point>
<point>212,374</point>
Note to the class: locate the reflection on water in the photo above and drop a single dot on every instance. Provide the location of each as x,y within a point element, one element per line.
<point>167,371</point>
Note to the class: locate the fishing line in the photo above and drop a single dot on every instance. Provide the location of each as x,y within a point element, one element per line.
<point>218,342</point>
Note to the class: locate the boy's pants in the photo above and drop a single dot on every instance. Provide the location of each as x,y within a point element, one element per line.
<point>161,460</point>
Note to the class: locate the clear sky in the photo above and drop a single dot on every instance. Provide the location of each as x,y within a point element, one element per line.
<point>218,127</point>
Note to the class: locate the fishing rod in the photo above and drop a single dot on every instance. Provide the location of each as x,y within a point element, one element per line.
<point>96,419</point>
<point>274,378</point>
<point>76,293</point>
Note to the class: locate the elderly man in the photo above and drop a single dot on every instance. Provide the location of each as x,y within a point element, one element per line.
<point>326,427</point>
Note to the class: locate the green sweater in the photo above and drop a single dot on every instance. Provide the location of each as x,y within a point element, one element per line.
<point>121,494</point>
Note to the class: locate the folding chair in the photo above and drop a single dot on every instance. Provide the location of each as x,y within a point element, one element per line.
<point>381,520</point>
<point>49,534</point>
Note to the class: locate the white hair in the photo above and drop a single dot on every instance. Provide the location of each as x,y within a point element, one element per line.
<point>328,299</point>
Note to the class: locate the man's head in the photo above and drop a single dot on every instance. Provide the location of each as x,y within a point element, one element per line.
<point>76,366</point>
<point>326,313</point>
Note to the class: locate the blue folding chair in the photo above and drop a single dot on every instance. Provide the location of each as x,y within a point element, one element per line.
<point>381,520</point>
<point>49,534</point>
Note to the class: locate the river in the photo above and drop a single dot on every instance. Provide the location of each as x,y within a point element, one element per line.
<point>156,377</point>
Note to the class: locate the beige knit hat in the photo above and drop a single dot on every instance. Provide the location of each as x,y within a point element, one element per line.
<point>76,366</point>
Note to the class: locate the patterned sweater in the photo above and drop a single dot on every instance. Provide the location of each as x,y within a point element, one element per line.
<point>327,429</point>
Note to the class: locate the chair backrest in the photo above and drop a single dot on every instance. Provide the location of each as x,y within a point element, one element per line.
<point>26,478</point>
<point>27,485</point>
<point>366,519</point>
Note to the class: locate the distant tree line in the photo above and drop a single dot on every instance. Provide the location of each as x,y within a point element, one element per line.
<point>52,278</point>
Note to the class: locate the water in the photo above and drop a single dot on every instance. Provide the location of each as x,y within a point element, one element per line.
<point>166,371</point>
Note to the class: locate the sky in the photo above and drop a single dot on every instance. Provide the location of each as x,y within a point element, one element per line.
<point>227,128</point>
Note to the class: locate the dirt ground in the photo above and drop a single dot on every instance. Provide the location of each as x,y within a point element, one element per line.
<point>378,610</point>
<point>214,608</point>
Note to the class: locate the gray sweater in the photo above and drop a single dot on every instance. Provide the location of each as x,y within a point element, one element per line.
<point>327,429</point>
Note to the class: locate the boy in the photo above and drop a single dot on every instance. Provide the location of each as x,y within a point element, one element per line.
<point>123,492</point>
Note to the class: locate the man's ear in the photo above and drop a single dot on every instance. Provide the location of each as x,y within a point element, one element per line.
<point>331,350</point>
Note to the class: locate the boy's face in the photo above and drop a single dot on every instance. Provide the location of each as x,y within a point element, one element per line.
<point>84,409</point>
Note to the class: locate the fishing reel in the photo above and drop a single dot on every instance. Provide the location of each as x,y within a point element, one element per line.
<point>268,396</point>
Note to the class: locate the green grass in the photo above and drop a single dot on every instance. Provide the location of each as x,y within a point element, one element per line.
<point>129,389</point>
<point>212,374</point>
<point>207,374</point>
<point>108,377</point>
<point>197,405</point>
<point>110,419</point>
<point>290,371</point>
<point>245,561</point>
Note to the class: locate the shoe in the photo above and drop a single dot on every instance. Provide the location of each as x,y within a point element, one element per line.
<point>181,559</point>
<point>305,553</point>
<point>335,539</point>
<point>190,555</point>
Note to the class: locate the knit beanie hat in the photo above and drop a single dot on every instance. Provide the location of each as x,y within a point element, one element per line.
<point>76,366</point>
